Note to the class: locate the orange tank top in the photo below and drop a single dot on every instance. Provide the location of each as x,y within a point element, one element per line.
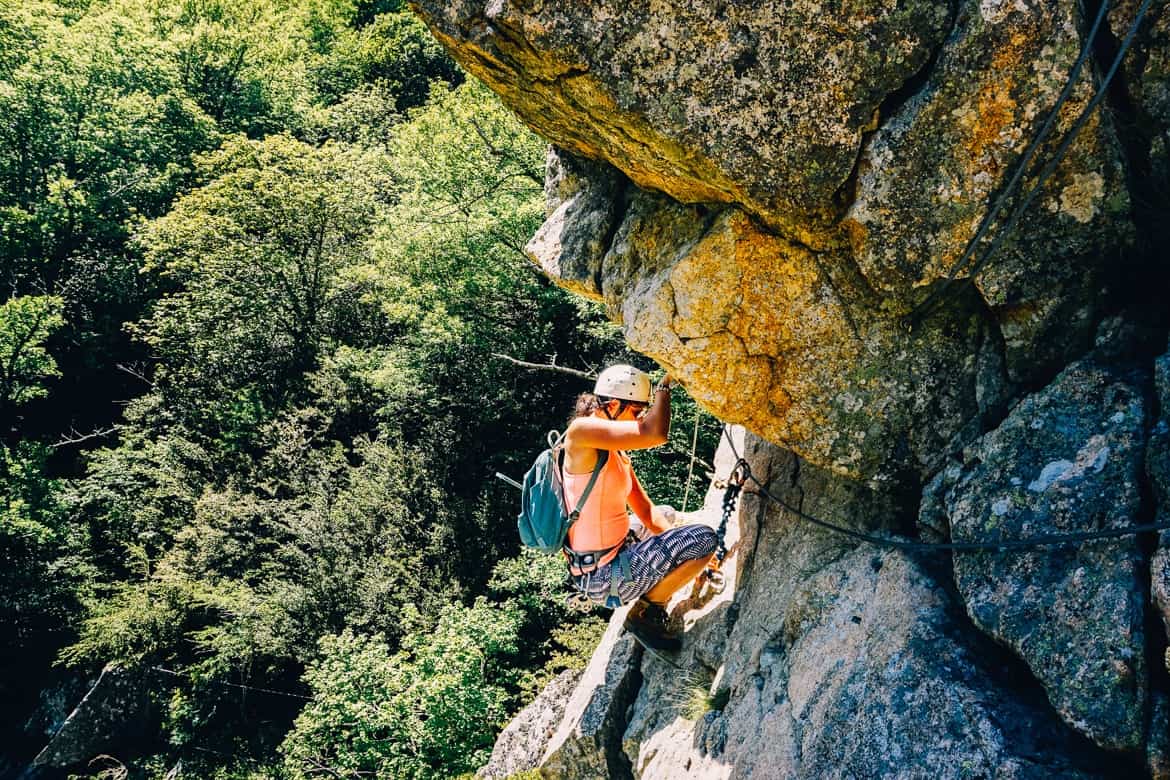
<point>603,522</point>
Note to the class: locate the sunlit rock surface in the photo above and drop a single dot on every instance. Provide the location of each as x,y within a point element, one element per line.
<point>521,746</point>
<point>765,333</point>
<point>822,658</point>
<point>844,161</point>
<point>930,172</point>
<point>775,201</point>
<point>762,104</point>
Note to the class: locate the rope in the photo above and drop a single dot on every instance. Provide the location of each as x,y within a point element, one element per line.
<point>931,301</point>
<point>1040,540</point>
<point>269,691</point>
<point>691,466</point>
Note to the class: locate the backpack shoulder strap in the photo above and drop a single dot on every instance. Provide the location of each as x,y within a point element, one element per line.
<point>602,457</point>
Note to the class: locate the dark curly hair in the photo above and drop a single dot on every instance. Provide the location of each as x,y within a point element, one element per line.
<point>585,405</point>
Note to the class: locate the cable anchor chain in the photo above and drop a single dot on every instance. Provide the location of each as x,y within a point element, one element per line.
<point>733,486</point>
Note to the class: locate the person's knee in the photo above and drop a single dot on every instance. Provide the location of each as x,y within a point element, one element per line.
<point>710,540</point>
<point>701,541</point>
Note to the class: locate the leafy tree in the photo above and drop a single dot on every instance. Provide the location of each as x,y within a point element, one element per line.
<point>94,129</point>
<point>553,637</point>
<point>457,292</point>
<point>44,569</point>
<point>25,324</point>
<point>267,255</point>
<point>330,238</point>
<point>427,711</point>
<point>394,53</point>
<point>34,582</point>
<point>244,61</point>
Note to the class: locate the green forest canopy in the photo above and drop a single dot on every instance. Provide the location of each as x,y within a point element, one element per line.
<point>258,261</point>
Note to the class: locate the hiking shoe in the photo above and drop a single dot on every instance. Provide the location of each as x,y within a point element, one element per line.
<point>650,625</point>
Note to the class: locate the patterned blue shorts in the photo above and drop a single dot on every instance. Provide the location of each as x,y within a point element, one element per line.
<point>649,561</point>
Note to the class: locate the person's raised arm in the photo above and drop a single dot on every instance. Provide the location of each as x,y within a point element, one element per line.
<point>602,434</point>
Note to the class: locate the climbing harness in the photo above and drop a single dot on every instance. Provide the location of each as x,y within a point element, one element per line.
<point>928,304</point>
<point>1040,540</point>
<point>619,570</point>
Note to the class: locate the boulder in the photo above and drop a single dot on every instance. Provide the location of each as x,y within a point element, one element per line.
<point>1147,75</point>
<point>521,745</point>
<point>763,195</point>
<point>581,213</point>
<point>1158,473</point>
<point>772,271</point>
<point>822,658</point>
<point>869,674</point>
<point>765,333</point>
<point>761,104</point>
<point>111,713</point>
<point>587,742</point>
<point>929,174</point>
<point>850,661</point>
<point>1066,459</point>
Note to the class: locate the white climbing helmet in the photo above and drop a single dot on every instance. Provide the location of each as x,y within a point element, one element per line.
<point>625,383</point>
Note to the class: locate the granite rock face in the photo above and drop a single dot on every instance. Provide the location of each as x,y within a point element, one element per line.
<point>824,659</point>
<point>765,334</point>
<point>1067,459</point>
<point>581,214</point>
<point>778,202</point>
<point>521,745</point>
<point>851,661</point>
<point>587,739</point>
<point>930,173</point>
<point>1148,74</point>
<point>1158,472</point>
<point>762,104</point>
<point>846,157</point>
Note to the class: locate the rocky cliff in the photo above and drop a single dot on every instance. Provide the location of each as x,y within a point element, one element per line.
<point>778,202</point>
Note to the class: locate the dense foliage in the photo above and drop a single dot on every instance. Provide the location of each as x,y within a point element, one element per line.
<point>259,262</point>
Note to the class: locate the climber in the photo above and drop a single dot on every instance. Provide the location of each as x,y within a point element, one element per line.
<point>604,562</point>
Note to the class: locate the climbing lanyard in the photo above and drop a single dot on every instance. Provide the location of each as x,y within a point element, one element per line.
<point>734,485</point>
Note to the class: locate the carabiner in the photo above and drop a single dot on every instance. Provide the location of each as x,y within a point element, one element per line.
<point>579,602</point>
<point>740,473</point>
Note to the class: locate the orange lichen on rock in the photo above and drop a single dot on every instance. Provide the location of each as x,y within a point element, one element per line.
<point>994,112</point>
<point>995,109</point>
<point>766,301</point>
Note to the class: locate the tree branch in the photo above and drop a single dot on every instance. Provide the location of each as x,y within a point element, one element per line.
<point>76,437</point>
<point>499,154</point>
<point>544,366</point>
<point>133,373</point>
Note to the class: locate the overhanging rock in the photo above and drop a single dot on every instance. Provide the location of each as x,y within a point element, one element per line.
<point>842,162</point>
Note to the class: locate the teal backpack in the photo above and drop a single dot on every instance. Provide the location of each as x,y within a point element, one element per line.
<point>545,518</point>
